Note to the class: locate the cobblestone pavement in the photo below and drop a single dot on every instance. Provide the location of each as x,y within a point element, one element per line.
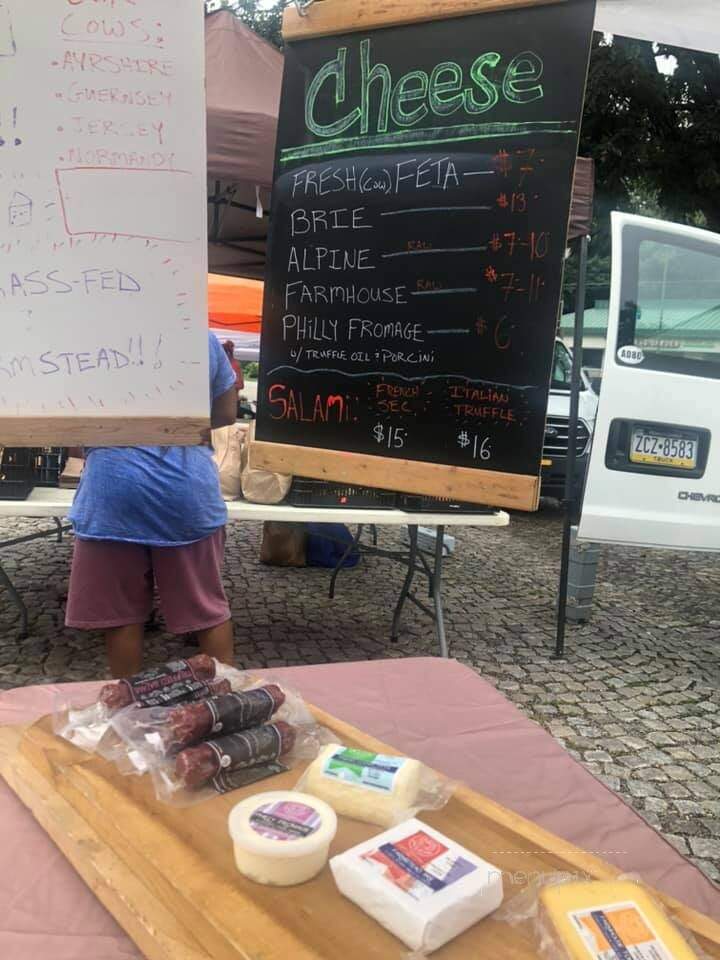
<point>637,700</point>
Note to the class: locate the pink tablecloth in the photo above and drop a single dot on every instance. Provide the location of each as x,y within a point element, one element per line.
<point>436,710</point>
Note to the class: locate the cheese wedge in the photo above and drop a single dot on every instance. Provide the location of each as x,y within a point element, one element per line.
<point>598,920</point>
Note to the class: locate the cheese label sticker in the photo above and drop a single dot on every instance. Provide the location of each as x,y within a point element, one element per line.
<point>363,769</point>
<point>285,820</point>
<point>619,931</point>
<point>418,865</point>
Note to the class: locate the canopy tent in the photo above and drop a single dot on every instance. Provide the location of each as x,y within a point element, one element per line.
<point>244,74</point>
<point>694,25</point>
<point>235,313</point>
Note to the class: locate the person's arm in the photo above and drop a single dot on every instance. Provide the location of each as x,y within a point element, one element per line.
<point>224,409</point>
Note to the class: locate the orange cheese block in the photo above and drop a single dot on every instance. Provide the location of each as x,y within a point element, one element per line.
<point>598,920</point>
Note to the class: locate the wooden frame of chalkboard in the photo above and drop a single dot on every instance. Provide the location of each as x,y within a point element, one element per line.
<point>102,431</point>
<point>447,131</point>
<point>337,16</point>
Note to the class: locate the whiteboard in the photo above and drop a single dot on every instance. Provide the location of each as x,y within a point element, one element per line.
<point>103,234</point>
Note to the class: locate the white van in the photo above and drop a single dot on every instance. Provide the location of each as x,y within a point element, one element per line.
<point>654,473</point>
<point>555,446</point>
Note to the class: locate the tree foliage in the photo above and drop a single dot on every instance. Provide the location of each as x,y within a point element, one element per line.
<point>655,139</point>
<point>265,18</point>
<point>663,130</point>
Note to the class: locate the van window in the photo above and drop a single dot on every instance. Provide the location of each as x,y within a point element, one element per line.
<point>670,308</point>
<point>562,368</point>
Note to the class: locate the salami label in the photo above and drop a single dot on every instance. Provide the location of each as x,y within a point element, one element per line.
<point>247,749</point>
<point>239,711</point>
<point>225,782</point>
<point>162,686</point>
<point>285,820</point>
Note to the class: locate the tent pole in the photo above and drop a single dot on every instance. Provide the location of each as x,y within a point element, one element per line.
<point>571,502</point>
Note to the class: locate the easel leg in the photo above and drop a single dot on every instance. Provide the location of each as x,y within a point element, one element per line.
<point>405,592</point>
<point>437,591</point>
<point>338,566</point>
<point>572,502</point>
<point>17,600</point>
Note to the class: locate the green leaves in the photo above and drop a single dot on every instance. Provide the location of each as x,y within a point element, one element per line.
<point>655,139</point>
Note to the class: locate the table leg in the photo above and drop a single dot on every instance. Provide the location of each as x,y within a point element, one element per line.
<point>17,600</point>
<point>405,592</point>
<point>437,591</point>
<point>60,528</point>
<point>338,567</point>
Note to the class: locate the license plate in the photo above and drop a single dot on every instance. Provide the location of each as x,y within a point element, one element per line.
<point>647,446</point>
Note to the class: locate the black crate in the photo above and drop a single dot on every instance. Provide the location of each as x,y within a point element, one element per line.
<point>49,463</point>
<point>322,493</point>
<point>419,503</point>
<point>17,475</point>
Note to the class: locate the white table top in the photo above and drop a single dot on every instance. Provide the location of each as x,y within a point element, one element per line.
<point>51,502</point>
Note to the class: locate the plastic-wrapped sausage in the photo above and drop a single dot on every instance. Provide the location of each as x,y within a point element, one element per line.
<point>261,745</point>
<point>161,686</point>
<point>219,688</point>
<point>190,723</point>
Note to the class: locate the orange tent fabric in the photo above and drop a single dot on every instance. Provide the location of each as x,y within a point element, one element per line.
<point>235,303</point>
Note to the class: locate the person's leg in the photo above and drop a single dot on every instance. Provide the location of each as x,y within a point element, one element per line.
<point>218,642</point>
<point>111,590</point>
<point>192,597</point>
<point>125,649</point>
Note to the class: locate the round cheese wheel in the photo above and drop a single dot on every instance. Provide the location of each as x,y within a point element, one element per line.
<point>372,787</point>
<point>281,837</point>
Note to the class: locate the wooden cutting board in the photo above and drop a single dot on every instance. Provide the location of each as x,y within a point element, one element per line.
<point>169,878</point>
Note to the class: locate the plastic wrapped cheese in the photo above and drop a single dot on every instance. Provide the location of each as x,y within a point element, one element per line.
<point>603,920</point>
<point>421,886</point>
<point>374,787</point>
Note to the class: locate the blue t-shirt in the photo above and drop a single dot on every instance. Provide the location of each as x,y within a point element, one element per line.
<point>157,496</point>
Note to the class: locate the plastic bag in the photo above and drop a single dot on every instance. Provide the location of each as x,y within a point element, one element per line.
<point>229,763</point>
<point>593,914</point>
<point>283,543</point>
<point>372,787</point>
<point>327,544</point>
<point>261,486</point>
<point>177,681</point>
<point>155,734</point>
<point>227,443</point>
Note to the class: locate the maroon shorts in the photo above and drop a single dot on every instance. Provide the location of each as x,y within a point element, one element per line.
<point>111,584</point>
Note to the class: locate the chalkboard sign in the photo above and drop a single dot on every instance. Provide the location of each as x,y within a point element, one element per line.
<point>419,219</point>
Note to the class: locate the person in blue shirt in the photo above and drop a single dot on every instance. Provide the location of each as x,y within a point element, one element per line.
<point>154,516</point>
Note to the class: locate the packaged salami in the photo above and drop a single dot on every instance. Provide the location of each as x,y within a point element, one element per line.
<point>153,735</point>
<point>220,765</point>
<point>179,681</point>
<point>572,917</point>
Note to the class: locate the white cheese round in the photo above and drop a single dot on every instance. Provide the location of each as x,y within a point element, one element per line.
<point>281,837</point>
<point>372,787</point>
